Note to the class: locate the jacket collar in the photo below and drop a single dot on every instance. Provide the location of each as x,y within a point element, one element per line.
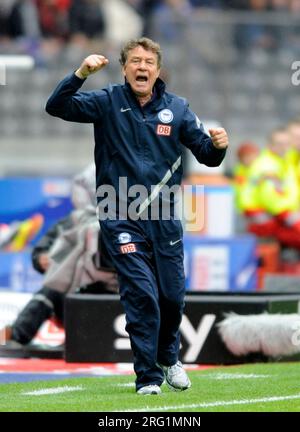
<point>158,92</point>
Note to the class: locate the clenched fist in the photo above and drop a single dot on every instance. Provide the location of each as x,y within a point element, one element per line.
<point>90,65</point>
<point>219,138</point>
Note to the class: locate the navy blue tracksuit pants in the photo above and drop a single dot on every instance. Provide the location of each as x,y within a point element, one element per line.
<point>148,256</point>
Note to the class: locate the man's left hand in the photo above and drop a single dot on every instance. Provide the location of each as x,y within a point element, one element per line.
<point>219,138</point>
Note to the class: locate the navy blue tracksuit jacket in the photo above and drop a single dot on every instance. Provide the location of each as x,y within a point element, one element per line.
<point>143,144</point>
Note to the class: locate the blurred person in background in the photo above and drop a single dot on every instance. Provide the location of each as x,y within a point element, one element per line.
<point>278,33</point>
<point>244,182</point>
<point>124,20</point>
<point>246,185</point>
<point>86,19</point>
<point>293,40</point>
<point>280,5</point>
<point>69,257</point>
<point>168,18</point>
<point>293,156</point>
<point>38,27</point>
<point>255,35</point>
<point>23,20</point>
<point>5,9</point>
<point>146,9</point>
<point>236,4</point>
<point>294,6</point>
<point>211,4</point>
<point>54,17</point>
<point>278,189</point>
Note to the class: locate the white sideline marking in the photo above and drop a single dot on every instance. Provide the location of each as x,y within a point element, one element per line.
<point>228,376</point>
<point>218,403</point>
<point>53,390</point>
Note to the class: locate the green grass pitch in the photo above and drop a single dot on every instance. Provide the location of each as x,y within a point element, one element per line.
<point>266,387</point>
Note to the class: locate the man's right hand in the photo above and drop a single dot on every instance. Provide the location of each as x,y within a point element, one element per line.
<point>90,65</point>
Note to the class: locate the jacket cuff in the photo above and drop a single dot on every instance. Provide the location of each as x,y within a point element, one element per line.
<point>75,81</point>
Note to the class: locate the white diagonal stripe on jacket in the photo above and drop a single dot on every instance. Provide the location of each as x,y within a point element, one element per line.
<point>159,186</point>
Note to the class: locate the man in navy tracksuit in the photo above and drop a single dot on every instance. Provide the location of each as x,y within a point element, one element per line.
<point>140,131</point>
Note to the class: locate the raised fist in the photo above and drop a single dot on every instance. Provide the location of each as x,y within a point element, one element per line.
<point>219,137</point>
<point>90,65</point>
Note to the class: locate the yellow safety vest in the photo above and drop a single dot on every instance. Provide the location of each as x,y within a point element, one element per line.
<point>277,184</point>
<point>245,188</point>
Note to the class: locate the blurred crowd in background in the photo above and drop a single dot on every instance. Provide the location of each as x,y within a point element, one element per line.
<point>81,21</point>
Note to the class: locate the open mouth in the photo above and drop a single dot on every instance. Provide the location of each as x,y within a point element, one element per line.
<point>141,78</point>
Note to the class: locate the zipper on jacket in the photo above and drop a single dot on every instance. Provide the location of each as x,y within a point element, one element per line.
<point>142,142</point>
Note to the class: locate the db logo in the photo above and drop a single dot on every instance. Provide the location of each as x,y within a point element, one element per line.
<point>163,130</point>
<point>129,248</point>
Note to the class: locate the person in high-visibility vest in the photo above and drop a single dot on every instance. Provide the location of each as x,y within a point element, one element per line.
<point>293,155</point>
<point>245,194</point>
<point>246,187</point>
<point>278,187</point>
<point>276,177</point>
